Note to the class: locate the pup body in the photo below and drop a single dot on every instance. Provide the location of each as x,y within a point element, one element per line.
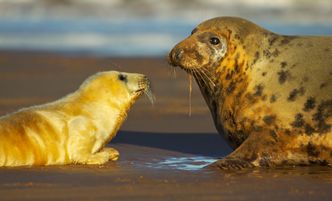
<point>75,128</point>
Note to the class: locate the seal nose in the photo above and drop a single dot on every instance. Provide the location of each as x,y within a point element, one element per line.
<point>145,78</point>
<point>175,56</point>
<point>144,81</point>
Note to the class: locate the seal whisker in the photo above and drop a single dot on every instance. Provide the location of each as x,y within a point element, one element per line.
<point>149,94</point>
<point>190,92</point>
<point>204,83</point>
<point>206,79</point>
<point>174,72</point>
<point>211,85</point>
<point>197,76</point>
<point>207,75</point>
<point>200,76</point>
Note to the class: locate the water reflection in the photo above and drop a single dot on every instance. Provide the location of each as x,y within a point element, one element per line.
<point>199,163</point>
<point>183,163</point>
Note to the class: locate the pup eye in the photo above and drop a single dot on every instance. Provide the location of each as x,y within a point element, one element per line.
<point>122,77</point>
<point>214,41</point>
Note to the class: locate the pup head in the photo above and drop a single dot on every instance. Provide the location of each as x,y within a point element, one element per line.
<point>116,88</point>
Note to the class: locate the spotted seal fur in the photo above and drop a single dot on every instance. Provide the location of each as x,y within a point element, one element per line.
<point>270,95</point>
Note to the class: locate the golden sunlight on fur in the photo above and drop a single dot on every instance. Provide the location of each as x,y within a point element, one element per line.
<point>75,128</point>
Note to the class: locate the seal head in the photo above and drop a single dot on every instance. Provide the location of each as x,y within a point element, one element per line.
<point>102,87</point>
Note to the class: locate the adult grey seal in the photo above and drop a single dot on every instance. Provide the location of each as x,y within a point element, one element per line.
<point>270,95</point>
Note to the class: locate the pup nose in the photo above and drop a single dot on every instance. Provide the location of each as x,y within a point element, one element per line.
<point>144,80</point>
<point>175,56</point>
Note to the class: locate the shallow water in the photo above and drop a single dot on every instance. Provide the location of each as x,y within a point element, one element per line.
<point>191,163</point>
<point>125,37</point>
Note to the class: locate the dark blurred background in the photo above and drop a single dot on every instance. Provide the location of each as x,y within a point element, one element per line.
<point>142,27</point>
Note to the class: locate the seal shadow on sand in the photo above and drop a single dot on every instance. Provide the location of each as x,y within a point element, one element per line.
<point>182,151</point>
<point>202,144</point>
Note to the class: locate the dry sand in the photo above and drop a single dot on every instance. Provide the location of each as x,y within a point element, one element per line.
<point>162,149</point>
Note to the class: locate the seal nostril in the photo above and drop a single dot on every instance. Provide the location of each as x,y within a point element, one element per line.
<point>175,56</point>
<point>178,54</point>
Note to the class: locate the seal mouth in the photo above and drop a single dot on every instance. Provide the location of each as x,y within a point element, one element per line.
<point>176,64</point>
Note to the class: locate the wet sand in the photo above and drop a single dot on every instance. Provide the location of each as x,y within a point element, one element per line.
<point>162,150</point>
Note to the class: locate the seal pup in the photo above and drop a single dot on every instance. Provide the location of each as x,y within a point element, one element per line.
<point>270,95</point>
<point>75,128</point>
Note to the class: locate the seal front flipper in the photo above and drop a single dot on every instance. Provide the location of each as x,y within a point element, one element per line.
<point>246,155</point>
<point>101,157</point>
<point>230,163</point>
<point>263,149</point>
<point>85,145</point>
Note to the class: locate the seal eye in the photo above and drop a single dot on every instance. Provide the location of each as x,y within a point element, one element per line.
<point>214,41</point>
<point>122,77</point>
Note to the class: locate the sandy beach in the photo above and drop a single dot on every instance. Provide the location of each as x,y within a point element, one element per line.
<point>163,151</point>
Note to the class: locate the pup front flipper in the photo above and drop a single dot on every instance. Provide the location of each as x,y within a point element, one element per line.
<point>102,157</point>
<point>86,145</point>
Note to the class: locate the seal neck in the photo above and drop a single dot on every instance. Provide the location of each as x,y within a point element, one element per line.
<point>231,79</point>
